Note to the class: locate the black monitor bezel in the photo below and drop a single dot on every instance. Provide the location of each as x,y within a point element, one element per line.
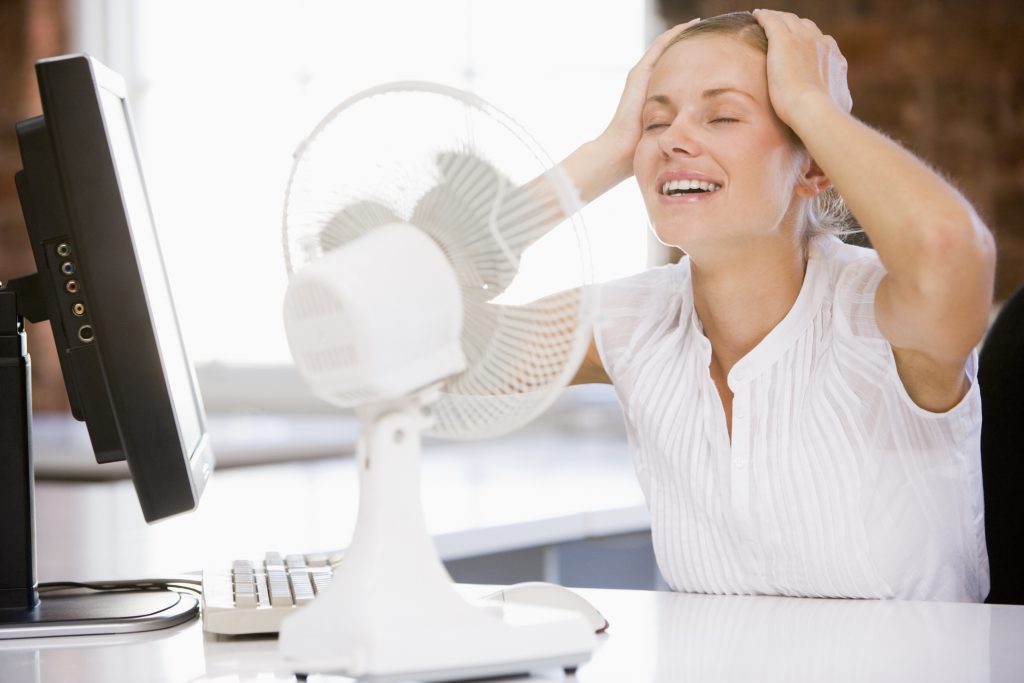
<point>168,474</point>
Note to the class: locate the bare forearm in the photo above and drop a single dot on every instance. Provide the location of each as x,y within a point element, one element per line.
<point>594,169</point>
<point>910,213</point>
<point>939,256</point>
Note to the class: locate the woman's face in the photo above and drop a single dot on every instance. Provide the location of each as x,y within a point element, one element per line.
<point>708,120</point>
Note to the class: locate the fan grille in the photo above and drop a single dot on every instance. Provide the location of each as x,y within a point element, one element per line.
<point>455,167</point>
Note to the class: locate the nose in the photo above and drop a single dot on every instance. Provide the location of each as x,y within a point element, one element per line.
<point>679,139</point>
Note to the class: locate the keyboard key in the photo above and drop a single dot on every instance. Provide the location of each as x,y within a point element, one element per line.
<point>262,593</point>
<point>321,580</point>
<point>280,591</point>
<point>302,587</point>
<point>244,591</point>
<point>317,559</point>
<point>245,600</point>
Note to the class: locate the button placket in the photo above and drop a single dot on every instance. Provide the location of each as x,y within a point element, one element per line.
<point>740,453</point>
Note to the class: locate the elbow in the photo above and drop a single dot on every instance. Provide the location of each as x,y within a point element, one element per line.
<point>958,232</point>
<point>953,283</point>
<point>958,252</point>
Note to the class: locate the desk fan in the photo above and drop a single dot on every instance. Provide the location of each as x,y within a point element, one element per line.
<point>412,218</point>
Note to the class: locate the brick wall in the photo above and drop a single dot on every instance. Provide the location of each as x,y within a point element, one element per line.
<point>944,78</point>
<point>29,30</point>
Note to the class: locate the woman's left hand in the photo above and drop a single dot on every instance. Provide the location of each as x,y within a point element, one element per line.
<point>802,63</point>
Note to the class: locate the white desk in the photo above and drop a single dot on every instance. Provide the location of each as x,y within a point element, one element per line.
<point>536,488</point>
<point>654,637</point>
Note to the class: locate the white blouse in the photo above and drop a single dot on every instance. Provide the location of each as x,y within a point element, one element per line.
<point>835,483</point>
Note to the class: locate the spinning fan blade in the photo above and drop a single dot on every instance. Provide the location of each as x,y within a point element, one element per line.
<point>347,224</point>
<point>503,214</point>
<point>354,221</point>
<point>483,221</point>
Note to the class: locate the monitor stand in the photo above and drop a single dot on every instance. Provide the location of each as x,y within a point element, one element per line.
<point>94,613</point>
<point>23,612</point>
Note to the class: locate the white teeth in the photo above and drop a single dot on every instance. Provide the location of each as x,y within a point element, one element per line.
<point>679,185</point>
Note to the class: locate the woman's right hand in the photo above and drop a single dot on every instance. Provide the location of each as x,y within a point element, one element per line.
<point>622,135</point>
<point>604,162</point>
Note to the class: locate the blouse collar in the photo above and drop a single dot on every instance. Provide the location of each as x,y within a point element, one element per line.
<point>789,329</point>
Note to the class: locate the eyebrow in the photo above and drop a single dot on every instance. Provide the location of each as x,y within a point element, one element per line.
<point>707,95</point>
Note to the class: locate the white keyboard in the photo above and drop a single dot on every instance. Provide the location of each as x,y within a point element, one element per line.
<point>255,596</point>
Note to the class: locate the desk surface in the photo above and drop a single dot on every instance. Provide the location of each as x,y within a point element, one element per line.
<point>484,497</point>
<point>654,637</point>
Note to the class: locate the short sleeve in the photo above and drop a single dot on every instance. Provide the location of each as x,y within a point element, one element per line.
<point>854,310</point>
<point>634,313</point>
<point>854,298</point>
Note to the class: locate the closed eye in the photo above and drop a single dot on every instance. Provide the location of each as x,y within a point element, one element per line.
<point>724,119</point>
<point>652,126</point>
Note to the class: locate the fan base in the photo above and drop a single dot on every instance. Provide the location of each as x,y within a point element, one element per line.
<point>492,647</point>
<point>391,612</point>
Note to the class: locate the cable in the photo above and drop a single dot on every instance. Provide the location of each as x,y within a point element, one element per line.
<point>178,585</point>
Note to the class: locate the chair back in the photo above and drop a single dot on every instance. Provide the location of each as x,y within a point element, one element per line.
<point>1001,382</point>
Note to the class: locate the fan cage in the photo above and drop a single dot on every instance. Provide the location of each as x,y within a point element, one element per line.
<point>459,169</point>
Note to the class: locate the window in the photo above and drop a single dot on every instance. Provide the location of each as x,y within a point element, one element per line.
<point>224,91</point>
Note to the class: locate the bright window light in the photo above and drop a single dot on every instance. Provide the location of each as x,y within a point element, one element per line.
<point>224,91</point>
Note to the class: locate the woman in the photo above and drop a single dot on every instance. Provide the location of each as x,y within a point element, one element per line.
<point>803,414</point>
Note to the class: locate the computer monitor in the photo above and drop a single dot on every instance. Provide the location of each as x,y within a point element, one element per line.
<point>101,282</point>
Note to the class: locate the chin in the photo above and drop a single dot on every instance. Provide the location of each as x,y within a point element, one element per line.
<point>677,234</point>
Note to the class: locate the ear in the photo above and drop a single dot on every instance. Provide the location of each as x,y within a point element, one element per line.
<point>812,181</point>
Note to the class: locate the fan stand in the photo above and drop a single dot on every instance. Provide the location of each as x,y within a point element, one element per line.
<point>391,612</point>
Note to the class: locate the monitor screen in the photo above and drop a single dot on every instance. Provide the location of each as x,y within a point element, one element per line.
<point>176,367</point>
<point>106,290</point>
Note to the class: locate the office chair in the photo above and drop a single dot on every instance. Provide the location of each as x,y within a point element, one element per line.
<point>1001,381</point>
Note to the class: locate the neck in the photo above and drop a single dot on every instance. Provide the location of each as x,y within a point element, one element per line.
<point>740,296</point>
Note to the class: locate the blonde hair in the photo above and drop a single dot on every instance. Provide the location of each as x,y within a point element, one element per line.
<point>827,214</point>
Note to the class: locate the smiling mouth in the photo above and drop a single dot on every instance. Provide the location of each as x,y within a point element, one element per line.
<point>675,188</point>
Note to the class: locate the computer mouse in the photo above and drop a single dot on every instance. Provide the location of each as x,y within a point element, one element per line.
<point>543,594</point>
